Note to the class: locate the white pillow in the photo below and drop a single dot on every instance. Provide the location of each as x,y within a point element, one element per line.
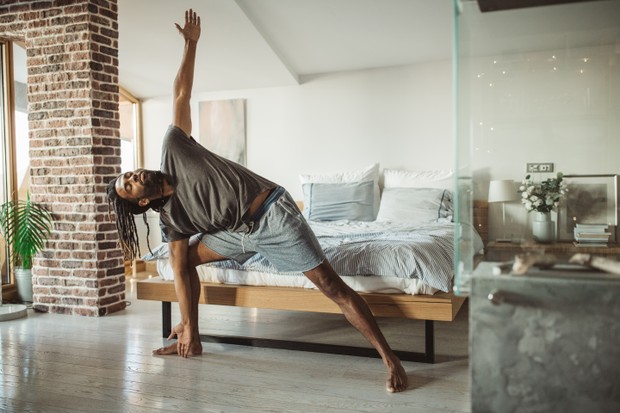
<point>370,173</point>
<point>415,205</point>
<point>398,178</point>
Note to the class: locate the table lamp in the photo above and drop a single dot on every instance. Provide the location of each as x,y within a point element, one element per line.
<point>503,190</point>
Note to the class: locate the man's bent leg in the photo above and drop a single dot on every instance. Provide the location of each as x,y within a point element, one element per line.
<point>198,254</point>
<point>357,312</point>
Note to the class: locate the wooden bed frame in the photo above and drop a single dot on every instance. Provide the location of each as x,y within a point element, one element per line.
<point>430,308</point>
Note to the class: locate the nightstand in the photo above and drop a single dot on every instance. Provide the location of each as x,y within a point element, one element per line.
<point>505,251</point>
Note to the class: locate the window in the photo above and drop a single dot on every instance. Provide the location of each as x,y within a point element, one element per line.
<point>14,174</point>
<point>130,113</point>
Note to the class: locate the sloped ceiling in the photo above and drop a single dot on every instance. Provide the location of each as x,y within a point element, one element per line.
<point>270,43</point>
<point>266,43</point>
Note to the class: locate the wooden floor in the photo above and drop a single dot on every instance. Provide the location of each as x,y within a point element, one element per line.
<point>56,363</point>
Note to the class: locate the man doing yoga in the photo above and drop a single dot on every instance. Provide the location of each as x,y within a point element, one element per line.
<point>239,212</point>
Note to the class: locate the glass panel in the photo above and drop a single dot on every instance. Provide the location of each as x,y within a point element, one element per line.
<point>465,235</point>
<point>538,85</point>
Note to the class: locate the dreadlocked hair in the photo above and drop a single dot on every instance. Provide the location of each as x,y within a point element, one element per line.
<point>124,212</point>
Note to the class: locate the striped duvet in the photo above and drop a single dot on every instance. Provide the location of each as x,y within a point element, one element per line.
<point>383,249</point>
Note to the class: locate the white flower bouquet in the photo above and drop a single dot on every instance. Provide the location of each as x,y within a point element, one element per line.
<point>544,196</point>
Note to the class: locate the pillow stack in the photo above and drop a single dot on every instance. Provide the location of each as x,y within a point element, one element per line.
<point>417,197</point>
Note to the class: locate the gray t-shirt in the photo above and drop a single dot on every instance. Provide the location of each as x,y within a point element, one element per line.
<point>211,193</point>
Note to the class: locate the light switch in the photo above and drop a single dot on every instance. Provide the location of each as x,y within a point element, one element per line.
<point>539,167</point>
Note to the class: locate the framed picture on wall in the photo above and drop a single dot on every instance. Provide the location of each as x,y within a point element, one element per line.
<point>222,128</point>
<point>590,199</point>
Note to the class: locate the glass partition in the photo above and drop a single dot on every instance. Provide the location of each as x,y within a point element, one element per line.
<point>538,92</point>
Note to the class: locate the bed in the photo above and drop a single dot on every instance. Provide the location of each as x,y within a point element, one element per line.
<point>395,248</point>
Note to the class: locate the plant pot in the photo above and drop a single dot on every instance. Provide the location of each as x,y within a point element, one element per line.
<point>543,228</point>
<point>23,281</point>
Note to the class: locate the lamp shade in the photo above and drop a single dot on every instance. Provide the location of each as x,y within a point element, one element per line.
<point>502,190</point>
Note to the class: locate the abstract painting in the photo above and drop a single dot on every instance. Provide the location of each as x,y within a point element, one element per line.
<point>222,128</point>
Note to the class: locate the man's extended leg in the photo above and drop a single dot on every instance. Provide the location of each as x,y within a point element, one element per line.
<point>357,312</point>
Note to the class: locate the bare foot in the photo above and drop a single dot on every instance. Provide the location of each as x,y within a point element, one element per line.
<point>195,350</point>
<point>397,378</point>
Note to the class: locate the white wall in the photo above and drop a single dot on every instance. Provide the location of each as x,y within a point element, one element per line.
<point>400,117</point>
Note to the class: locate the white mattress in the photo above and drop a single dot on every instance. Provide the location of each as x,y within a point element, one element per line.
<point>256,278</point>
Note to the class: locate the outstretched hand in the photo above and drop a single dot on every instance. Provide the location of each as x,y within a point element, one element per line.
<point>191,29</point>
<point>184,337</point>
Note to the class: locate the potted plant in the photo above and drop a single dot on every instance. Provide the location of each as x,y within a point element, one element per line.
<point>25,226</point>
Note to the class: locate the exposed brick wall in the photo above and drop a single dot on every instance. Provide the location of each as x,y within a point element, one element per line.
<point>72,57</point>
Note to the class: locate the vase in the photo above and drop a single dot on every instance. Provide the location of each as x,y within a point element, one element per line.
<point>23,282</point>
<point>543,228</point>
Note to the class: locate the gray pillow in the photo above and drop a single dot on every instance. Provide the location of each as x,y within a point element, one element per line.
<point>415,205</point>
<point>331,202</point>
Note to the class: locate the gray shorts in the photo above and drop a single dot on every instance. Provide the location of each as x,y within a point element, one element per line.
<point>281,235</point>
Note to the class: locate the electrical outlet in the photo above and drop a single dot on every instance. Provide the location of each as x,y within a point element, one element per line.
<point>539,167</point>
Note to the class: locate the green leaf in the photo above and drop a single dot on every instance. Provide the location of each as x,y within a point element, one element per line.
<point>25,226</point>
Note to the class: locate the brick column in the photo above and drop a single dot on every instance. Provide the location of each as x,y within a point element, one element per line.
<point>72,58</point>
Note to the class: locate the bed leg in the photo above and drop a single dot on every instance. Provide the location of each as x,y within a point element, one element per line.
<point>166,318</point>
<point>429,341</point>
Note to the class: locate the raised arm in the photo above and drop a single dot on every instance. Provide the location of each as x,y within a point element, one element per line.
<point>185,76</point>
